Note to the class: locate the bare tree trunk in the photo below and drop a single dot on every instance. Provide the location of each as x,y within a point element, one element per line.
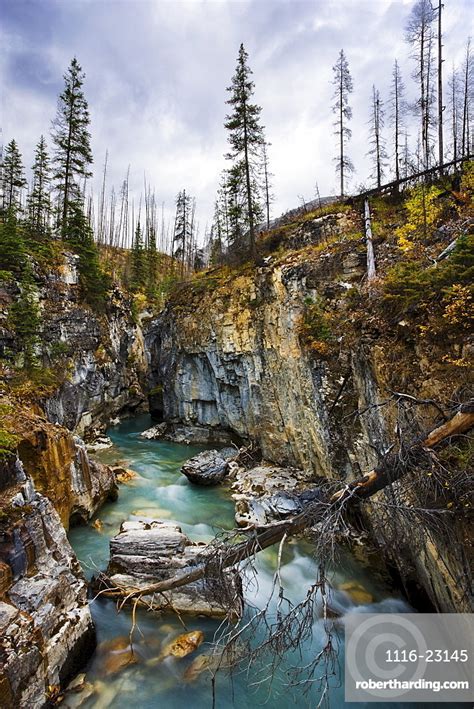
<point>341,136</point>
<point>465,113</point>
<point>101,215</point>
<point>371,274</point>
<point>397,121</point>
<point>440,90</point>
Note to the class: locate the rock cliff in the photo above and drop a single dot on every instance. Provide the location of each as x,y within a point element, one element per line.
<point>295,356</point>
<point>46,629</point>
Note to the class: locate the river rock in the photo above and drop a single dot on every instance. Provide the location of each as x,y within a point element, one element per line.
<point>266,509</point>
<point>209,467</point>
<point>147,551</point>
<point>183,645</point>
<point>268,493</point>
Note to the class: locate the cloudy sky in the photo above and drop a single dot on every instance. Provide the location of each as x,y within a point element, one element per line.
<point>157,70</point>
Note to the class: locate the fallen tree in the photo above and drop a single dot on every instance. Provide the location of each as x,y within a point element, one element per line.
<point>392,468</point>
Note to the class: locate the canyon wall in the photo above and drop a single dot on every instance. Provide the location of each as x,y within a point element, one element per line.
<point>231,352</point>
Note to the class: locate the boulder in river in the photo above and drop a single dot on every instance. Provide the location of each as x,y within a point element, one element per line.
<point>268,493</point>
<point>209,467</point>
<point>146,552</point>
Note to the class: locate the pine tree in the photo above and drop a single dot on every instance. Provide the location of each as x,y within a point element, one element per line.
<point>39,201</point>
<point>25,318</point>
<point>94,283</point>
<point>73,155</point>
<point>343,87</point>
<point>235,207</point>
<point>12,249</point>
<point>183,228</point>
<point>13,177</point>
<point>377,151</point>
<point>138,260</point>
<point>419,35</point>
<point>245,138</point>
<point>397,116</point>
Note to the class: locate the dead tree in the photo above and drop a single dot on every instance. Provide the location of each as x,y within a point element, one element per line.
<point>467,98</point>
<point>343,87</point>
<point>397,113</point>
<point>440,88</point>
<point>370,246</point>
<point>419,35</point>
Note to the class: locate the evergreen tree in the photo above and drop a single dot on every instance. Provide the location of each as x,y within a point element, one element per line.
<point>236,200</point>
<point>183,228</point>
<point>94,282</point>
<point>245,138</point>
<point>377,151</point>
<point>73,155</point>
<point>343,87</point>
<point>39,202</point>
<point>25,318</point>
<point>138,260</point>
<point>12,248</point>
<point>13,177</point>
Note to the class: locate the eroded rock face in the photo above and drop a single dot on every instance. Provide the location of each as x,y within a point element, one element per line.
<point>145,552</point>
<point>108,360</point>
<point>46,631</point>
<point>242,368</point>
<point>61,469</point>
<point>230,356</point>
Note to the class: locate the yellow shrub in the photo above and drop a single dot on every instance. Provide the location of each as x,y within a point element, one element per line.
<point>423,212</point>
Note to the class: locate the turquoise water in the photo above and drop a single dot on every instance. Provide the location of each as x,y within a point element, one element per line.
<point>160,491</point>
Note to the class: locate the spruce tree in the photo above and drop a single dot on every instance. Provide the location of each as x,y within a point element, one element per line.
<point>183,228</point>
<point>94,282</point>
<point>73,155</point>
<point>138,260</point>
<point>13,177</point>
<point>12,249</point>
<point>39,201</point>
<point>25,318</point>
<point>343,87</point>
<point>246,139</point>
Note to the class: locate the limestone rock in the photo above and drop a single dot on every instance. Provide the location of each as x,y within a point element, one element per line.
<point>59,466</point>
<point>147,551</point>
<point>209,467</point>
<point>46,630</point>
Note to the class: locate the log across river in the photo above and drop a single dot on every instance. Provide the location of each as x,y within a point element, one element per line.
<point>160,491</point>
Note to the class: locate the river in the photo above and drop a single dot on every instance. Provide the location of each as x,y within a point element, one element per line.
<point>160,491</point>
